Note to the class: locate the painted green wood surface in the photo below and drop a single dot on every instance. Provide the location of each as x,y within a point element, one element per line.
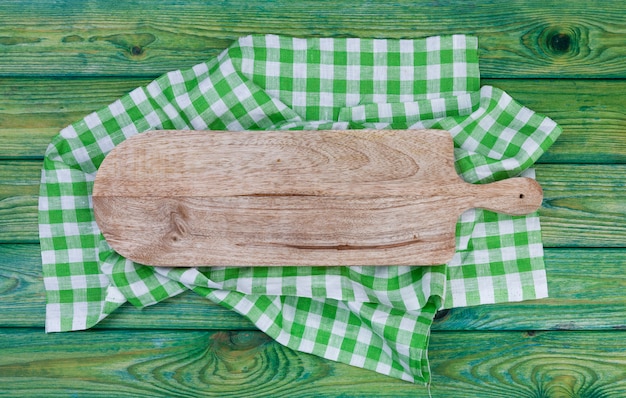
<point>583,205</point>
<point>577,301</point>
<point>567,59</point>
<point>522,38</point>
<point>591,112</point>
<point>246,364</point>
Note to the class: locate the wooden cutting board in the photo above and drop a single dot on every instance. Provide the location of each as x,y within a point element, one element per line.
<point>356,197</point>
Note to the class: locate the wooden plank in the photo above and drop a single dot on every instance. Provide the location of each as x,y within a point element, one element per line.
<point>591,112</point>
<point>23,300</point>
<point>576,301</point>
<point>19,192</point>
<point>347,197</point>
<point>34,110</point>
<point>583,204</point>
<point>19,178</point>
<point>22,291</point>
<point>524,39</point>
<point>235,364</point>
<point>513,364</point>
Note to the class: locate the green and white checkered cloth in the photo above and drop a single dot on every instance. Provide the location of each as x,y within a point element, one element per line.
<point>377,318</point>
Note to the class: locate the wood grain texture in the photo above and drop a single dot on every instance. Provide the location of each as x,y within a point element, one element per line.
<point>34,110</point>
<point>23,301</point>
<point>531,364</point>
<point>354,197</point>
<point>175,363</point>
<point>577,302</point>
<point>61,60</point>
<point>524,39</point>
<point>591,112</point>
<point>249,364</point>
<point>587,211</point>
<point>19,189</point>
<point>583,204</point>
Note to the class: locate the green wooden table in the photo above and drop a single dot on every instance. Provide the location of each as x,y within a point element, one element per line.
<point>567,59</point>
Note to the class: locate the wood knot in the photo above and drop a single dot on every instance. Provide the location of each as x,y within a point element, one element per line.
<point>560,42</point>
<point>178,224</point>
<point>136,50</point>
<point>244,340</point>
<point>133,44</point>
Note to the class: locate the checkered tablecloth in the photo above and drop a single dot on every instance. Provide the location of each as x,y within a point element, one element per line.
<point>377,318</point>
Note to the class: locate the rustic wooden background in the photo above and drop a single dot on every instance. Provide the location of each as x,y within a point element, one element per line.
<point>60,60</point>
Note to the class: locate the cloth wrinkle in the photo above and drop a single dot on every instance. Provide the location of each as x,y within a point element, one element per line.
<point>377,318</point>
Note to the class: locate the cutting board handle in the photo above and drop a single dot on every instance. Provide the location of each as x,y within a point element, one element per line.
<point>514,196</point>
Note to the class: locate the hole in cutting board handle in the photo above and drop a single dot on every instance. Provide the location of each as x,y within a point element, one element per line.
<point>513,196</point>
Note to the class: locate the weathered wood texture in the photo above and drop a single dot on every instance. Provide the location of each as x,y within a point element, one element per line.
<point>591,112</point>
<point>61,60</point>
<point>188,198</point>
<point>577,301</point>
<point>583,204</point>
<point>540,38</point>
<point>249,364</point>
